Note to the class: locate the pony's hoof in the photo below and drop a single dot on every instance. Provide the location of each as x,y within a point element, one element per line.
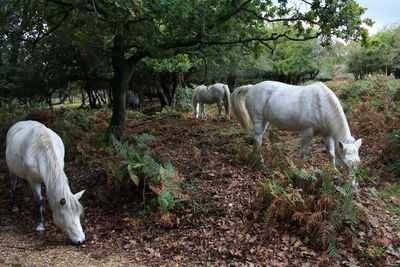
<point>14,210</point>
<point>39,233</point>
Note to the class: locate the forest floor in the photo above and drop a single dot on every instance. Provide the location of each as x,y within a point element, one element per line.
<point>221,224</point>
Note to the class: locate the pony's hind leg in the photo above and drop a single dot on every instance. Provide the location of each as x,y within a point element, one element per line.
<point>305,141</point>
<point>13,184</point>
<point>226,106</point>
<point>37,193</point>
<point>203,111</point>
<point>259,129</point>
<point>219,108</point>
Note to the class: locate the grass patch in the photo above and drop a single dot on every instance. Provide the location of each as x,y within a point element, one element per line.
<point>68,106</point>
<point>227,132</point>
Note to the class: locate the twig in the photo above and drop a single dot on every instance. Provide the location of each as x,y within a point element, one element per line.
<point>24,248</point>
<point>146,122</point>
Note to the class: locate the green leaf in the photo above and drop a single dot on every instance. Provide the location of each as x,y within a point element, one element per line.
<point>131,170</point>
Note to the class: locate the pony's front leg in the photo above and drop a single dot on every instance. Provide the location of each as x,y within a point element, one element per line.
<point>306,140</point>
<point>259,129</point>
<point>330,149</point>
<point>196,110</point>
<point>37,193</point>
<point>13,183</point>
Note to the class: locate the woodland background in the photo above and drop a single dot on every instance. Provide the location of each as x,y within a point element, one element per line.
<point>165,189</point>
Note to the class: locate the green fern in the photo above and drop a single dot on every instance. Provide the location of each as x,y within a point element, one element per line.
<point>167,199</point>
<point>336,219</point>
<point>331,249</point>
<point>79,117</point>
<point>142,169</point>
<point>132,172</point>
<point>145,140</point>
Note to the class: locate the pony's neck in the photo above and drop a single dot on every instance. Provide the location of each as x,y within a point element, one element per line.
<point>53,175</point>
<point>57,186</point>
<point>341,132</point>
<point>339,125</point>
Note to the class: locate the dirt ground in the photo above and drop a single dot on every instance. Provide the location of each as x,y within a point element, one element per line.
<point>222,225</point>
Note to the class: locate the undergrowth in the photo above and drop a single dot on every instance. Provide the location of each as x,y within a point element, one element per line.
<point>321,203</point>
<point>139,167</point>
<point>372,107</point>
<point>393,151</point>
<point>184,103</point>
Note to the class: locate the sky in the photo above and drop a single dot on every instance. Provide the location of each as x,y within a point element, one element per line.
<point>383,12</point>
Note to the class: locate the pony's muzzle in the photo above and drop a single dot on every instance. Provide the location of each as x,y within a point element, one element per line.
<point>78,241</point>
<point>353,163</point>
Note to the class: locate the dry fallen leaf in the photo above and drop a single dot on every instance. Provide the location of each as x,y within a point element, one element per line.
<point>373,221</point>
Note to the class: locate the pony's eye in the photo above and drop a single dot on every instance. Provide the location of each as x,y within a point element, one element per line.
<point>63,202</point>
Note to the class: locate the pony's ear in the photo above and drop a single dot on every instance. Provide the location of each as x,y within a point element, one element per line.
<point>341,145</point>
<point>358,143</point>
<point>63,202</point>
<point>79,194</point>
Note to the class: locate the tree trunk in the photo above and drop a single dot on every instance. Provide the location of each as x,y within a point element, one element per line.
<point>168,88</point>
<point>123,69</point>
<point>119,87</point>
<point>83,98</point>
<point>231,80</point>
<point>162,96</point>
<point>120,84</point>
<point>178,82</point>
<point>91,94</point>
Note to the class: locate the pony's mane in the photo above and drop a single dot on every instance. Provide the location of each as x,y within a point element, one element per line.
<point>56,181</point>
<point>340,127</point>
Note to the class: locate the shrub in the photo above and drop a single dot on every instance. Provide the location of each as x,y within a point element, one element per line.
<point>140,168</point>
<point>185,99</point>
<point>79,117</point>
<point>135,115</point>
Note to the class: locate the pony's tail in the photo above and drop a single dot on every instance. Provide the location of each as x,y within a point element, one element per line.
<point>239,107</point>
<point>227,101</point>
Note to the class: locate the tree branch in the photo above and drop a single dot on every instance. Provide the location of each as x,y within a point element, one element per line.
<point>61,3</point>
<point>308,3</point>
<point>295,18</point>
<point>268,46</point>
<point>198,41</point>
<point>63,19</point>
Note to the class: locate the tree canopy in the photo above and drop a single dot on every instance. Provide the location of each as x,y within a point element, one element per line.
<point>379,54</point>
<point>119,34</point>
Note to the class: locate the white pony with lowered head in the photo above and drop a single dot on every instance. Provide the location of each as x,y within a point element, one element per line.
<point>216,93</point>
<point>312,109</point>
<point>36,153</point>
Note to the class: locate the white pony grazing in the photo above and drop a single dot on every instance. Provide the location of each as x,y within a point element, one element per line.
<point>312,109</point>
<point>36,153</point>
<point>215,93</point>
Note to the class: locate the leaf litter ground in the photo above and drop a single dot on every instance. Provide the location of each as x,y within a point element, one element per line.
<point>221,223</point>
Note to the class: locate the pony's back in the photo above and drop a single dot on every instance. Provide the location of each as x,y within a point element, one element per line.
<point>296,108</point>
<point>29,143</point>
